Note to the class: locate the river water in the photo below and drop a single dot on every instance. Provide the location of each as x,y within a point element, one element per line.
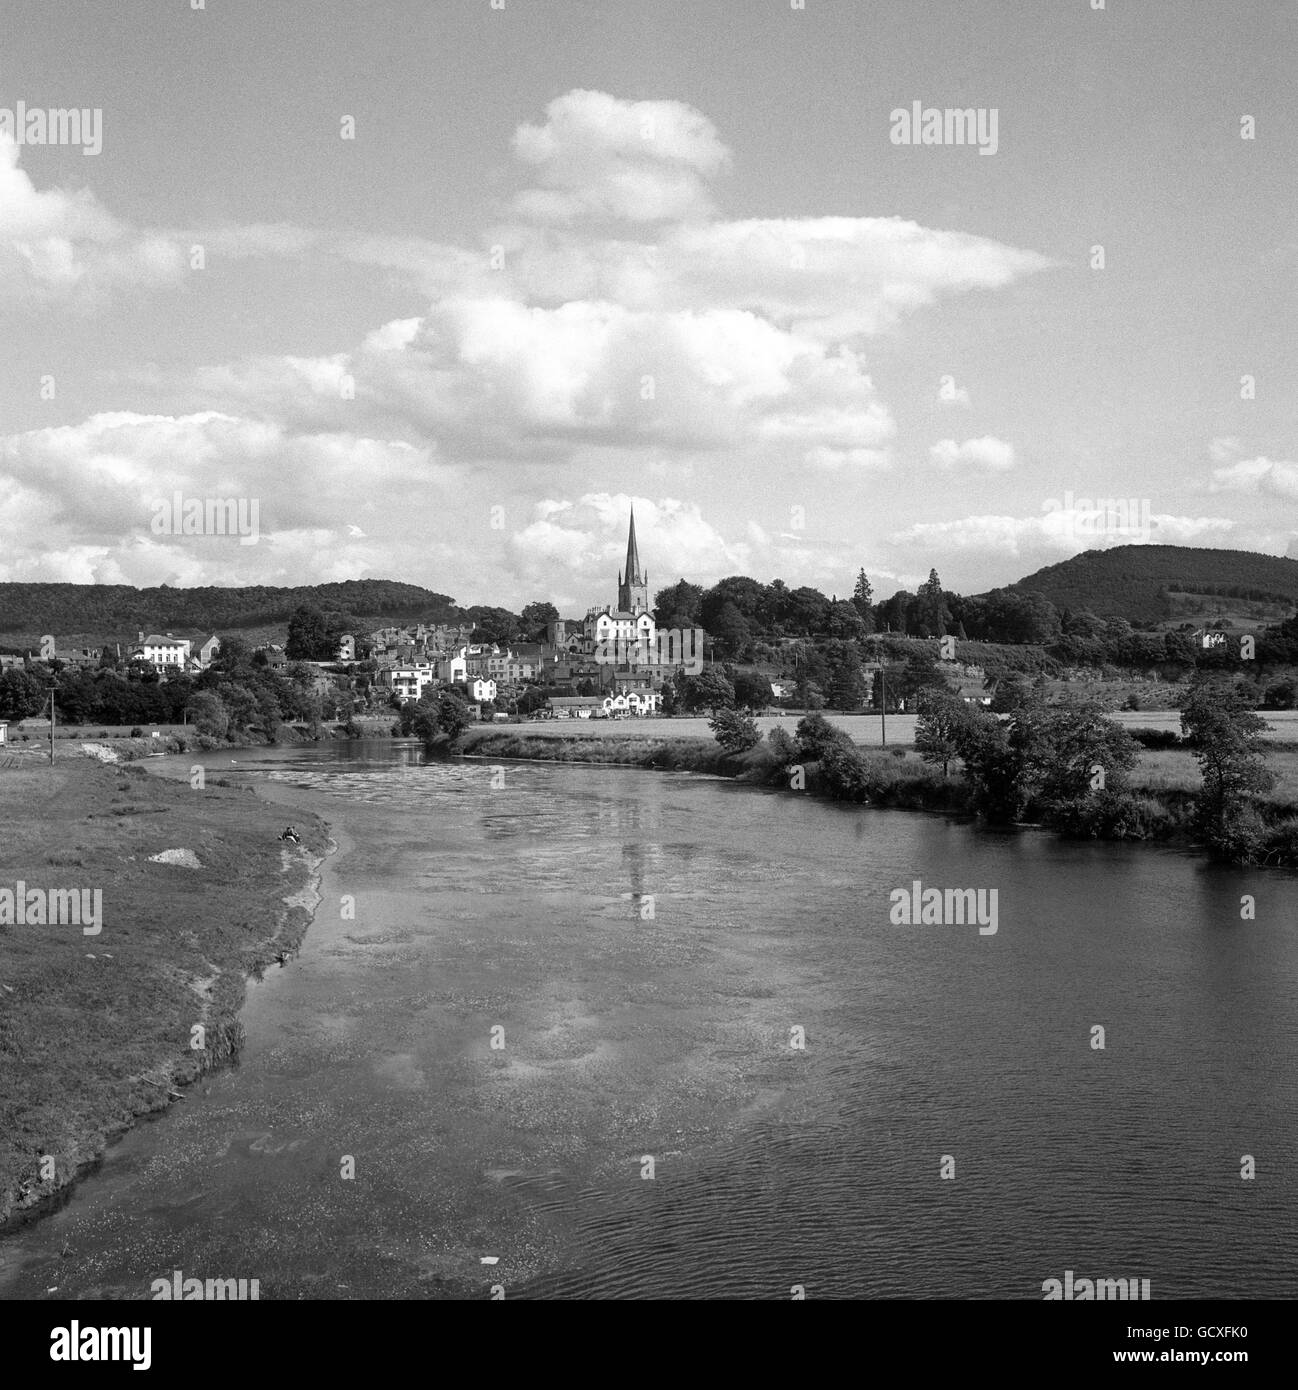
<point>647,947</point>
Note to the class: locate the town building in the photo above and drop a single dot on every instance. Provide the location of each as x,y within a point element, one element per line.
<point>163,650</point>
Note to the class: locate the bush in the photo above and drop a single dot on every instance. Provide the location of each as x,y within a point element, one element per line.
<point>1157,738</point>
<point>735,732</point>
<point>782,746</point>
<point>844,774</point>
<point>816,734</point>
<point>1111,815</point>
<point>137,732</point>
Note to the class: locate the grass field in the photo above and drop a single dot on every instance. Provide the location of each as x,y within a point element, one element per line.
<point>95,1029</point>
<point>865,729</point>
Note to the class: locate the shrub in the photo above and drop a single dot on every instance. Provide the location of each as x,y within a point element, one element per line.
<point>816,734</point>
<point>1111,815</point>
<point>735,732</point>
<point>1156,738</point>
<point>782,746</point>
<point>137,732</point>
<point>844,774</point>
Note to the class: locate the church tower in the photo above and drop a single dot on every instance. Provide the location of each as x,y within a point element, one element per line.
<point>633,587</point>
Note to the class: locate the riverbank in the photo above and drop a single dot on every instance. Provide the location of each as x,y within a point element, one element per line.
<point>100,1027</point>
<point>1158,804</point>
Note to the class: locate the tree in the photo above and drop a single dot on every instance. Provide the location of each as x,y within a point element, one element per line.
<point>208,714</point>
<point>21,695</point>
<point>863,600</point>
<point>845,686</point>
<point>533,619</point>
<point>708,690</point>
<point>943,723</point>
<point>735,732</point>
<point>452,714</point>
<point>1010,691</point>
<point>1227,737</point>
<point>678,607</point>
<point>1067,752</point>
<point>730,629</point>
<point>816,735</point>
<point>752,690</point>
<point>235,653</point>
<point>991,767</point>
<point>931,612</point>
<point>921,673</point>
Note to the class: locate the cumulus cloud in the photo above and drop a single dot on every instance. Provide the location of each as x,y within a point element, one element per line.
<point>614,315</point>
<point>1059,532</point>
<point>57,245</point>
<point>498,378</point>
<point>82,501</point>
<point>1258,475</point>
<point>988,453</point>
<point>599,157</point>
<point>579,546</point>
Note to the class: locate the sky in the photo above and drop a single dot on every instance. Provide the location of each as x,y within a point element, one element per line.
<point>443,288</point>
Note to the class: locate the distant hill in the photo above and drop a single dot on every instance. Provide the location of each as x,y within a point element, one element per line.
<point>109,611</point>
<point>1162,583</point>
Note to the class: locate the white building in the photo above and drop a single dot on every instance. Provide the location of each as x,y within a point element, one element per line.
<point>407,682</point>
<point>164,651</point>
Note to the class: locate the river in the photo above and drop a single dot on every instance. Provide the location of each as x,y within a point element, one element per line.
<point>650,948</point>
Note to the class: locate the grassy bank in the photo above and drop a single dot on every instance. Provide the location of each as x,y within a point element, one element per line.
<point>1158,804</point>
<point>96,1030</point>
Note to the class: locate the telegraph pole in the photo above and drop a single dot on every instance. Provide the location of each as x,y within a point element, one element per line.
<point>883,706</point>
<point>51,725</point>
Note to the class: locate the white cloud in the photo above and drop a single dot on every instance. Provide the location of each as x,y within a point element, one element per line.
<point>988,453</point>
<point>1259,475</point>
<point>638,161</point>
<point>59,245</point>
<point>81,499</point>
<point>1056,534</point>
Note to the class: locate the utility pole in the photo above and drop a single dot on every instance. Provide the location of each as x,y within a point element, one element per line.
<point>883,705</point>
<point>51,726</point>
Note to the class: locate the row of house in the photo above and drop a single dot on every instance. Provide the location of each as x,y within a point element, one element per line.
<point>165,652</point>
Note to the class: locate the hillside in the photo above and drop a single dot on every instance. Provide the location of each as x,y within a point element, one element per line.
<point>108,610</point>
<point>1165,583</point>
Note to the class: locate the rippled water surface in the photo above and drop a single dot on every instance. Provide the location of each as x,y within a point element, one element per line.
<point>647,946</point>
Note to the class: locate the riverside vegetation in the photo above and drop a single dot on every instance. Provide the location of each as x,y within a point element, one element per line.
<point>1066,767</point>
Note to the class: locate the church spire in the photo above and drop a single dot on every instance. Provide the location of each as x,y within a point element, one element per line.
<point>633,575</point>
<point>633,584</point>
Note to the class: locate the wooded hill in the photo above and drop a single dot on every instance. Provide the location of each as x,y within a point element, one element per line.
<point>114,609</point>
<point>1148,583</point>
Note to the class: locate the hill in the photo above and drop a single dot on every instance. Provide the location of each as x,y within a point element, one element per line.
<point>105,611</point>
<point>1166,583</point>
